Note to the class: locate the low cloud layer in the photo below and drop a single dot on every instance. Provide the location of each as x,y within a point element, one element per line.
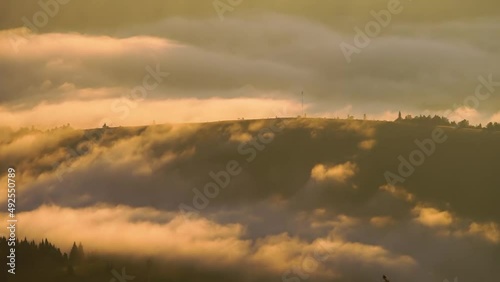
<point>170,237</point>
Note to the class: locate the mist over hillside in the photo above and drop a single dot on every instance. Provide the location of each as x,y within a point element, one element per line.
<point>249,140</point>
<point>255,200</point>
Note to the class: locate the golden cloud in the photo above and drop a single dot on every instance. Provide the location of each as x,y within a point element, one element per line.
<point>339,173</point>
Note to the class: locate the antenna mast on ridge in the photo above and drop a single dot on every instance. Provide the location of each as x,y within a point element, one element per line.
<point>302,103</point>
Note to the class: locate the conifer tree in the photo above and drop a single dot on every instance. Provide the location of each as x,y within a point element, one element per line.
<point>73,254</point>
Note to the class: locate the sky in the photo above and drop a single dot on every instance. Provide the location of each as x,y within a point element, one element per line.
<point>134,63</point>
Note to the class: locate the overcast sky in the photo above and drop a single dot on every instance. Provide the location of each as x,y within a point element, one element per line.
<point>83,62</point>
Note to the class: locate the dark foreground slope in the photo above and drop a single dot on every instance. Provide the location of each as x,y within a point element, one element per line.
<point>306,178</point>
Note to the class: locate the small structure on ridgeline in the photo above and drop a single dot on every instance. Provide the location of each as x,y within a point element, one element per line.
<point>399,117</point>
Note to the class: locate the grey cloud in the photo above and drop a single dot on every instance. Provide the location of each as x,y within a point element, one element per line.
<point>209,58</point>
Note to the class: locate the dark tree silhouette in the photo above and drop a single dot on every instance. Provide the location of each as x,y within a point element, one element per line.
<point>81,253</point>
<point>463,124</point>
<point>76,255</point>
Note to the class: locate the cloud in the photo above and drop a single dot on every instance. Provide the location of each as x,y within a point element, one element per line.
<point>146,232</point>
<point>139,232</point>
<point>338,173</point>
<point>432,217</point>
<point>367,144</point>
<point>339,14</point>
<point>490,231</point>
<point>398,192</point>
<point>92,114</point>
<point>434,74</point>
